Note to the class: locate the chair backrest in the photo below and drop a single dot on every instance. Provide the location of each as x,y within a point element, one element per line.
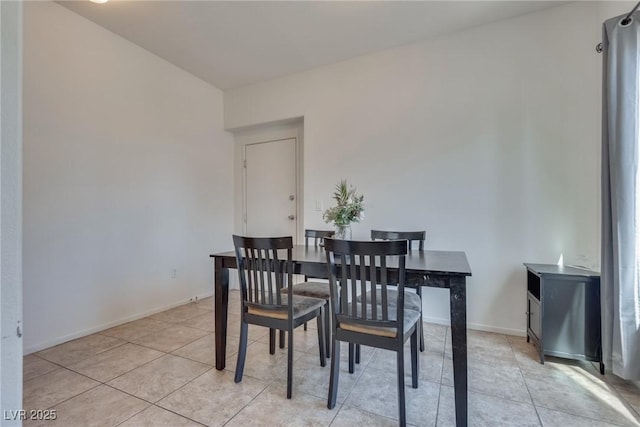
<point>410,236</point>
<point>317,236</point>
<point>366,267</point>
<point>264,272</point>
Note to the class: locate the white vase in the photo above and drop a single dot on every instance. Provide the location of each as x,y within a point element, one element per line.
<point>343,232</point>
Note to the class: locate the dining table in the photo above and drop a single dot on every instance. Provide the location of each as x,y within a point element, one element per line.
<point>439,269</point>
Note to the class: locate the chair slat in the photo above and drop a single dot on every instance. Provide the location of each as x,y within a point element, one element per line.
<point>269,276</point>
<point>255,269</point>
<point>384,297</point>
<point>384,283</point>
<point>288,270</point>
<point>401,275</point>
<point>263,274</point>
<point>373,293</point>
<point>363,282</point>
<point>354,286</point>
<point>344,284</point>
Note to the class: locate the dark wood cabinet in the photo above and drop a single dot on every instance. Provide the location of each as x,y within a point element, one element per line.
<point>563,312</point>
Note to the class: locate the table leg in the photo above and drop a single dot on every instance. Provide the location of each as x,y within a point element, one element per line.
<point>458,302</point>
<point>221,291</point>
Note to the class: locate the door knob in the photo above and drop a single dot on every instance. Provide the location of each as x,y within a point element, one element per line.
<point>292,217</point>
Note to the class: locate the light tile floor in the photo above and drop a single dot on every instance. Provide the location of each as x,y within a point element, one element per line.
<point>158,371</point>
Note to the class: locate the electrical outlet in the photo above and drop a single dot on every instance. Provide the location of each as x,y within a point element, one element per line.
<point>174,273</point>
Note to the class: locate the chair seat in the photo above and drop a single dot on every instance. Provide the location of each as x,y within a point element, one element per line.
<point>412,300</point>
<point>312,289</point>
<point>411,317</point>
<point>301,306</point>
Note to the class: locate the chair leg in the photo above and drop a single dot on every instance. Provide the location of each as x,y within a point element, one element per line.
<point>305,326</point>
<point>323,359</point>
<point>401,395</point>
<point>352,367</point>
<point>289,363</point>
<point>242,351</point>
<point>358,353</point>
<point>281,339</point>
<point>419,292</point>
<point>327,328</point>
<point>415,361</point>
<point>335,373</point>
<point>272,341</point>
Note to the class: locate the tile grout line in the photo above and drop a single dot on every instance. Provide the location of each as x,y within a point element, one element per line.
<point>161,408</point>
<point>168,325</point>
<point>178,389</point>
<point>359,377</point>
<point>81,393</point>
<point>623,399</point>
<point>45,373</point>
<point>442,376</point>
<point>581,416</point>
<point>132,369</point>
<point>84,358</point>
<point>249,402</point>
<point>526,385</point>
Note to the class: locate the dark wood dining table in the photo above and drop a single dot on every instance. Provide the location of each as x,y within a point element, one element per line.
<point>440,269</point>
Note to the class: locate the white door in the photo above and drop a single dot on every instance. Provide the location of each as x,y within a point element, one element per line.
<point>271,189</point>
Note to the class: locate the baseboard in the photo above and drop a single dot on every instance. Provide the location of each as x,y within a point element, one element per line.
<point>478,327</point>
<point>105,326</point>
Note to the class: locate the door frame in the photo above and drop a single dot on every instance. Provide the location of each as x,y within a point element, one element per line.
<point>296,183</point>
<point>274,131</point>
<point>11,352</point>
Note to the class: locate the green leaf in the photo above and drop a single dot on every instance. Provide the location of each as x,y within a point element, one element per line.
<point>349,206</point>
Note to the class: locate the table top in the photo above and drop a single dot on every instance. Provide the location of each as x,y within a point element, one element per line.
<point>445,262</point>
<point>563,270</point>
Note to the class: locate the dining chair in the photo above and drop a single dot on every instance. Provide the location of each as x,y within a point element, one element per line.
<point>313,288</point>
<point>412,300</point>
<point>318,236</point>
<point>263,277</point>
<point>366,267</point>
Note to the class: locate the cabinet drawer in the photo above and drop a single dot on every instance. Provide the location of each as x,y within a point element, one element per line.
<point>534,323</point>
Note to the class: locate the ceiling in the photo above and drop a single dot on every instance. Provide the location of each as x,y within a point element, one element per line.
<point>236,43</point>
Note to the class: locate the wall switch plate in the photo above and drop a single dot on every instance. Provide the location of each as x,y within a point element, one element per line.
<point>319,207</point>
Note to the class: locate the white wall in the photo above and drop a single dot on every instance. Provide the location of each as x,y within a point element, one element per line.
<point>127,175</point>
<point>489,139</point>
<point>10,209</point>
